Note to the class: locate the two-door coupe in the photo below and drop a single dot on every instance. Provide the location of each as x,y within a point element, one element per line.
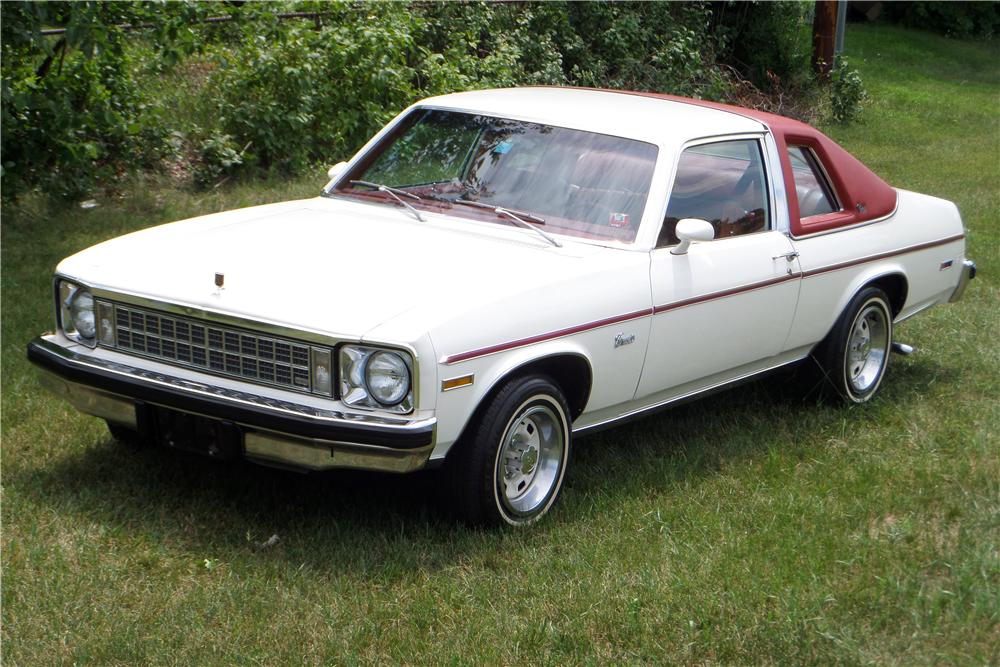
<point>494,273</point>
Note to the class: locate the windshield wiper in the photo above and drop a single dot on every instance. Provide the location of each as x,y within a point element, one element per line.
<point>516,216</point>
<point>394,193</point>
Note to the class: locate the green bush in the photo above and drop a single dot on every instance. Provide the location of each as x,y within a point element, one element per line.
<point>218,158</point>
<point>769,43</point>
<point>847,92</point>
<point>954,19</point>
<point>92,107</point>
<point>642,46</point>
<point>301,95</point>
<point>71,116</point>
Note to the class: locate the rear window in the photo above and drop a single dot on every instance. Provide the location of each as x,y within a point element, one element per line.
<point>814,194</point>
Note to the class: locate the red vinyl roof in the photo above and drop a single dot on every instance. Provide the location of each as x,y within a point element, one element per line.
<point>862,194</point>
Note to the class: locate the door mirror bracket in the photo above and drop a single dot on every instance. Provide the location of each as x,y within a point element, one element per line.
<point>689,230</point>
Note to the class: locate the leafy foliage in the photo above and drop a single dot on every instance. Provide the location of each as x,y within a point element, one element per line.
<point>768,42</point>
<point>84,108</point>
<point>70,112</point>
<point>302,95</point>
<point>847,92</point>
<point>218,158</point>
<point>299,95</point>
<point>955,19</point>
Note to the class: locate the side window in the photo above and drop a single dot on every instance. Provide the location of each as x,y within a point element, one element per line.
<point>814,193</point>
<point>722,182</point>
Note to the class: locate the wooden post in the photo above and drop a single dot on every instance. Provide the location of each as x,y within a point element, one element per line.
<point>824,36</point>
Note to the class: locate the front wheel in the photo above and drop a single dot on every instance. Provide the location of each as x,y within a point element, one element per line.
<point>855,355</point>
<point>510,468</point>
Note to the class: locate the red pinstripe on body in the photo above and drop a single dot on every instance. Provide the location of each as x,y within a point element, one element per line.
<point>646,312</point>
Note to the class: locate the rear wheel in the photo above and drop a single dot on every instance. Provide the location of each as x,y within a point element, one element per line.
<point>510,468</point>
<point>855,354</point>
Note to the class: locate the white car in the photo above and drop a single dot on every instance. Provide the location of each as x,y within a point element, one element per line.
<point>493,274</point>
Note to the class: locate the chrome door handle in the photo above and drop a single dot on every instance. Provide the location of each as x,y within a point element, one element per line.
<point>789,256</point>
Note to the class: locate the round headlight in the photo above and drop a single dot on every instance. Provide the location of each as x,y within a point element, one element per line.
<point>81,311</point>
<point>387,378</point>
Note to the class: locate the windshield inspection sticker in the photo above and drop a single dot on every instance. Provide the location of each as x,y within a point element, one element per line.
<point>618,220</point>
<point>504,147</point>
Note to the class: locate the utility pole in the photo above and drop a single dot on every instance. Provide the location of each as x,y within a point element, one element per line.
<point>841,26</point>
<point>824,36</point>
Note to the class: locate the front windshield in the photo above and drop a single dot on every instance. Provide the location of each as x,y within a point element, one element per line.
<point>568,181</point>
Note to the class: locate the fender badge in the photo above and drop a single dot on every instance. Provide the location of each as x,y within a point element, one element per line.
<point>622,339</point>
<point>220,280</point>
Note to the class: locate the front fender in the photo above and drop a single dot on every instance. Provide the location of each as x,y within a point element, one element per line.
<point>456,407</point>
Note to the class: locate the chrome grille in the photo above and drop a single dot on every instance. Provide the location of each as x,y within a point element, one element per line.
<point>210,347</point>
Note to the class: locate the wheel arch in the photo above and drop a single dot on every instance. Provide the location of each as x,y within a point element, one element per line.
<point>895,286</point>
<point>571,371</point>
<point>891,280</point>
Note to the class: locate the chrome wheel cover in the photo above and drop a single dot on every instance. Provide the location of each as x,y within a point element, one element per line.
<point>867,348</point>
<point>530,460</point>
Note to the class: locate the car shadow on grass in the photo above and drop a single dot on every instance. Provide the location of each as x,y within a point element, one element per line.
<point>379,523</point>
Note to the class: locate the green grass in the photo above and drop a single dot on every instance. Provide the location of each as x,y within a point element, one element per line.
<point>751,527</point>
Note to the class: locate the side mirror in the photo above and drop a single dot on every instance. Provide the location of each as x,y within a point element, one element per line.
<point>336,170</point>
<point>691,229</point>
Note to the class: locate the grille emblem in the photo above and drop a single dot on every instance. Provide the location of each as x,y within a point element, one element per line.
<point>220,279</point>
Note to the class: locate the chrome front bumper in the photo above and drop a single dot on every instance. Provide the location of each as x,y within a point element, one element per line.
<point>968,273</point>
<point>272,432</point>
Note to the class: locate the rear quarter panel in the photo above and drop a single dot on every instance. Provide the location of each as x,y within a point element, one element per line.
<point>914,241</point>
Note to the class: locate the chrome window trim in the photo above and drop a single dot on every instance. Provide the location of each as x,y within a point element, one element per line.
<point>779,196</point>
<point>766,156</point>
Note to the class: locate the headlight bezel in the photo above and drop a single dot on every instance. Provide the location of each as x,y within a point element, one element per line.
<point>354,389</point>
<point>70,293</point>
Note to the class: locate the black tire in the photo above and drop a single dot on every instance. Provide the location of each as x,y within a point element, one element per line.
<point>855,354</point>
<point>125,435</point>
<point>509,466</point>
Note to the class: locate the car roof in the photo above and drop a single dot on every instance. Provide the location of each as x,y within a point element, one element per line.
<point>668,122</point>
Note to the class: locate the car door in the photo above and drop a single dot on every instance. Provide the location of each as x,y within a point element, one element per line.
<point>724,307</point>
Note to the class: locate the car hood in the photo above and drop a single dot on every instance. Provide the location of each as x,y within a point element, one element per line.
<point>334,266</point>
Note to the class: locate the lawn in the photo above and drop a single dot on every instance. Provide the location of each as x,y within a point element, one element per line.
<point>752,527</point>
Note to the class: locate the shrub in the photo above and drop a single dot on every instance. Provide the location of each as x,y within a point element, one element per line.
<point>303,94</point>
<point>769,43</point>
<point>847,92</point>
<point>954,19</point>
<point>218,158</point>
<point>71,116</point>
<point>641,46</point>
<point>300,93</point>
